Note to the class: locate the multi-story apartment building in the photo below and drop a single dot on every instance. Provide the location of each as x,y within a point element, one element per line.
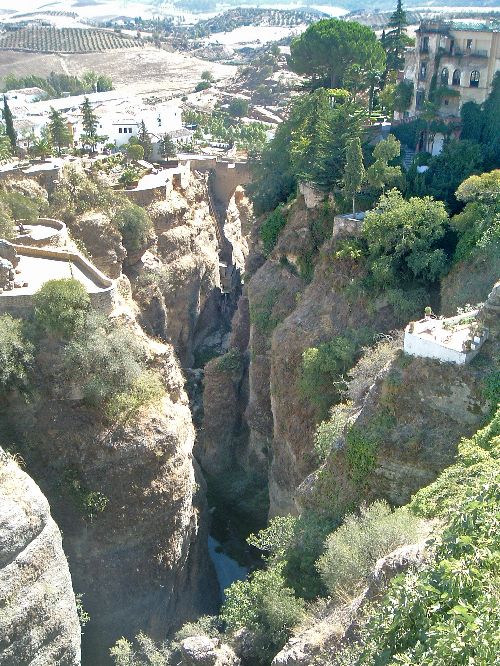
<point>453,61</point>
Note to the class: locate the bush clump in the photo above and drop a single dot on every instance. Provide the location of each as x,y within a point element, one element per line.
<point>109,362</point>
<point>271,229</point>
<point>61,306</point>
<point>352,550</point>
<point>135,226</point>
<point>264,605</point>
<point>16,355</point>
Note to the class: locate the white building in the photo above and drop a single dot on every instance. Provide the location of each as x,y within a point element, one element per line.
<point>119,118</point>
<point>452,340</point>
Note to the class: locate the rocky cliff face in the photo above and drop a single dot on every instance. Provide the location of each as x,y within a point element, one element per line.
<point>129,500</point>
<point>38,618</point>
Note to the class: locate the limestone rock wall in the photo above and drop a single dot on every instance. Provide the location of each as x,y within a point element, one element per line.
<point>38,617</point>
<point>142,561</point>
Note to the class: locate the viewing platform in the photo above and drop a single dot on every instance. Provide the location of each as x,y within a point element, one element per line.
<point>25,269</point>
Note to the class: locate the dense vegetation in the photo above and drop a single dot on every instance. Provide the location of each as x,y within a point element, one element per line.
<point>56,84</point>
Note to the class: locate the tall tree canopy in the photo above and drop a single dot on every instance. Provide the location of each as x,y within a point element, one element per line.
<point>60,134</point>
<point>328,48</point>
<point>395,39</point>
<point>90,138</point>
<point>9,124</point>
<point>309,146</point>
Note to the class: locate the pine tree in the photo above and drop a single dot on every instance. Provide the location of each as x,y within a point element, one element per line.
<point>396,40</point>
<point>145,140</point>
<point>90,138</point>
<point>168,147</point>
<point>60,133</point>
<point>354,172</point>
<point>9,124</point>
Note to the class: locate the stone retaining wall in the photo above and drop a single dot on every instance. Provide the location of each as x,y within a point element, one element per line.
<point>348,225</point>
<point>21,304</point>
<point>59,236</point>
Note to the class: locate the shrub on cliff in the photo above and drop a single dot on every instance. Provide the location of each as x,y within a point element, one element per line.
<point>271,229</point>
<point>109,362</point>
<point>135,226</point>
<point>7,228</point>
<point>16,355</point>
<point>265,606</point>
<point>403,239</point>
<point>352,550</point>
<point>60,307</point>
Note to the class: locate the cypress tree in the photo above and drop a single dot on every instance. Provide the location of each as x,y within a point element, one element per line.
<point>145,140</point>
<point>89,137</point>
<point>9,124</point>
<point>354,172</point>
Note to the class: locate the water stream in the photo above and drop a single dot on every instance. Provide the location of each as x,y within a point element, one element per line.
<point>227,569</point>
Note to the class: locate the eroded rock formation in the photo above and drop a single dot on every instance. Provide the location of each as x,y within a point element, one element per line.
<point>38,617</point>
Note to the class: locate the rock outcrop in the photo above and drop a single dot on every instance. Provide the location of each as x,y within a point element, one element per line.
<point>102,240</point>
<point>129,499</point>
<point>204,651</point>
<point>38,617</point>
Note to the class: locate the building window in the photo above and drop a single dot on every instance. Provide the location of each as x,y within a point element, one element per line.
<point>452,44</point>
<point>444,76</point>
<point>469,45</point>
<point>119,130</point>
<point>446,102</point>
<point>455,81</point>
<point>423,71</point>
<point>419,99</point>
<point>474,79</point>
<point>425,45</point>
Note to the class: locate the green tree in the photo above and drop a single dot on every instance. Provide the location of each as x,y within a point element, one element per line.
<point>456,162</point>
<point>168,147</point>
<point>9,124</point>
<point>16,355</point>
<point>403,239</point>
<point>5,146</point>
<point>104,83</point>
<point>472,122</point>
<point>396,39</point>
<point>41,147</point>
<point>90,138</point>
<point>380,174</point>
<point>478,225</point>
<point>490,135</point>
<point>135,226</point>
<point>135,151</point>
<point>353,549</point>
<point>354,172</point>
<point>330,46</point>
<point>145,140</point>
<point>60,134</point>
<point>60,307</point>
<point>207,75</point>
<point>238,107</point>
<point>265,606</point>
<point>7,228</point>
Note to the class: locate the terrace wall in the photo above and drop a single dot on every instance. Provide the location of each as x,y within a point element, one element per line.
<point>22,304</point>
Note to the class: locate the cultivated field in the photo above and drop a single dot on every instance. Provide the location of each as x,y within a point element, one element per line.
<point>64,40</point>
<point>135,71</point>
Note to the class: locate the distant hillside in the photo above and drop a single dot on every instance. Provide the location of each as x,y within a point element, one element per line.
<point>64,40</point>
<point>243,16</point>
